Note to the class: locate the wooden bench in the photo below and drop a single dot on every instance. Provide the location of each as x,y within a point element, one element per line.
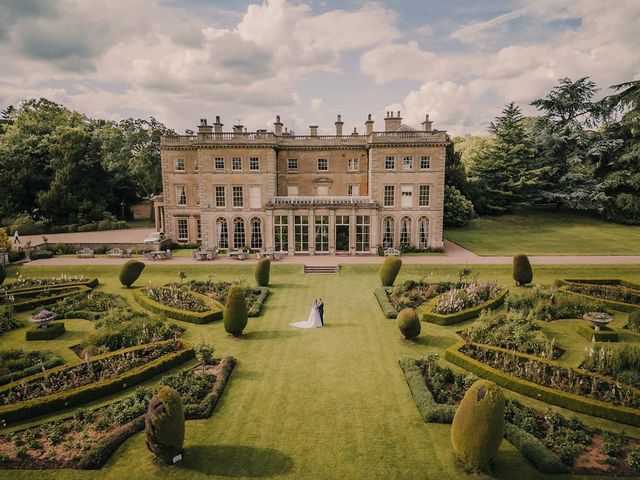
<point>85,253</point>
<point>391,251</point>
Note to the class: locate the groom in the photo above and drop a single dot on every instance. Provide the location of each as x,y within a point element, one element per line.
<point>321,310</point>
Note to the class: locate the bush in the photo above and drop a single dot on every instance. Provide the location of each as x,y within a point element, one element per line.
<point>164,424</point>
<point>430,410</point>
<point>130,272</point>
<point>262,272</point>
<point>478,425</point>
<point>39,254</point>
<point>458,209</point>
<point>408,323</point>
<point>5,241</point>
<point>385,304</point>
<point>522,272</point>
<point>25,224</point>
<point>633,323</point>
<point>256,308</point>
<point>389,270</point>
<point>235,312</point>
<point>8,320</point>
<point>3,274</point>
<point>52,331</point>
<point>16,255</point>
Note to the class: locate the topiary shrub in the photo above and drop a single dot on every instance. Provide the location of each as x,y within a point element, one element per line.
<point>3,274</point>
<point>522,272</point>
<point>408,323</point>
<point>235,311</point>
<point>130,272</point>
<point>164,424</point>
<point>389,270</point>
<point>263,268</point>
<point>478,425</point>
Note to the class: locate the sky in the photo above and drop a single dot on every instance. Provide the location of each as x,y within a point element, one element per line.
<point>460,61</point>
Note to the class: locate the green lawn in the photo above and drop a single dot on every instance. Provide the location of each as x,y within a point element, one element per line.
<point>330,403</point>
<point>546,232</point>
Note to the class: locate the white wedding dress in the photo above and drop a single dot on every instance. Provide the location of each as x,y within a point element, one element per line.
<point>312,322</point>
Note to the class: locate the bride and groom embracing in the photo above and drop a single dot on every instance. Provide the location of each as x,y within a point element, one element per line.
<point>316,316</point>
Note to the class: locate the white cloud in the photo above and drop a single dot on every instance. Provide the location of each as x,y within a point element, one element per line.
<point>316,104</point>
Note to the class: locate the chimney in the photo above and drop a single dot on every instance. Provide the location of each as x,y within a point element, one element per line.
<point>203,128</point>
<point>261,133</point>
<point>355,132</point>
<point>277,126</point>
<point>368,125</point>
<point>237,130</point>
<point>314,130</point>
<point>392,122</point>
<point>339,124</point>
<point>217,127</point>
<point>426,125</point>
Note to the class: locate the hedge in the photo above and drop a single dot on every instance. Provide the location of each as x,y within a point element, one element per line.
<point>86,393</point>
<point>550,395</point>
<point>534,450</point>
<point>599,281</point>
<point>54,361</point>
<point>461,316</point>
<point>186,316</point>
<point>54,330</point>
<point>256,308</point>
<point>32,303</point>
<point>93,283</point>
<point>605,334</point>
<point>619,306</point>
<point>205,408</point>
<point>383,300</point>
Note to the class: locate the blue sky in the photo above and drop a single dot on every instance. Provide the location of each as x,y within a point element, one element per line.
<point>182,60</point>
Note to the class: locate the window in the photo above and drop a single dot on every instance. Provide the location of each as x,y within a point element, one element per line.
<point>281,233</point>
<point>183,229</point>
<point>387,232</point>
<point>255,196</point>
<point>180,165</point>
<point>256,233</point>
<point>218,163</point>
<point>199,228</point>
<point>407,162</point>
<point>236,164</point>
<point>406,196</point>
<point>301,233</point>
<point>292,165</point>
<point>323,164</point>
<point>362,233</point>
<point>238,233</point>
<point>405,231</point>
<point>353,165</point>
<point>221,196</point>
<point>238,196</point>
<point>423,197</point>
<point>254,163</point>
<point>292,190</point>
<point>322,233</point>
<point>389,163</point>
<point>181,194</point>
<point>222,231</point>
<point>196,165</point>
<point>389,195</point>
<point>353,190</point>
<point>425,162</point>
<point>423,232</point>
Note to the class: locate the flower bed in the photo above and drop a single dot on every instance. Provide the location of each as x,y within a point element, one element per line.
<point>428,315</point>
<point>89,306</point>
<point>253,296</point>
<point>180,298</point>
<point>8,320</point>
<point>17,364</point>
<point>23,282</point>
<point>621,362</point>
<point>32,298</point>
<point>617,294</point>
<point>550,305</point>
<point>412,294</point>
<point>469,296</point>
<point>213,310</point>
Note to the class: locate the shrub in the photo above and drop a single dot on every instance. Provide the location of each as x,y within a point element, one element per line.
<point>478,425</point>
<point>548,306</point>
<point>3,274</point>
<point>39,254</point>
<point>235,312</point>
<point>130,272</point>
<point>5,241</point>
<point>408,323</point>
<point>522,272</point>
<point>54,330</point>
<point>205,354</point>
<point>633,323</point>
<point>25,224</point>
<point>164,424</point>
<point>458,209</point>
<point>8,320</point>
<point>389,270</point>
<point>634,458</point>
<point>385,304</point>
<point>262,272</point>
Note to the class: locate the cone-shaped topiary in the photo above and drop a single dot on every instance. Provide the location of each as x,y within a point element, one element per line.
<point>130,272</point>
<point>3,274</point>
<point>262,272</point>
<point>408,323</point>
<point>235,311</point>
<point>522,272</point>
<point>478,425</point>
<point>389,270</point>
<point>164,424</point>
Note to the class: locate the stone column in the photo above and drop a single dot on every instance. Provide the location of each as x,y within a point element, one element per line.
<point>291,239</point>
<point>312,232</point>
<point>268,240</point>
<point>332,231</point>
<point>352,231</point>
<point>374,231</point>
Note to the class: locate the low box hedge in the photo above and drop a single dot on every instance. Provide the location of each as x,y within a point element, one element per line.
<point>215,313</point>
<point>605,334</point>
<point>599,281</point>
<point>53,330</point>
<point>205,408</point>
<point>534,450</point>
<point>31,303</point>
<point>91,283</point>
<point>383,300</point>
<point>596,408</point>
<point>457,317</point>
<point>54,361</point>
<point>256,308</point>
<point>615,305</point>
<point>86,393</point>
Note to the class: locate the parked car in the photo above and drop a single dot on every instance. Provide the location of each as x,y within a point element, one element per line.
<point>154,237</point>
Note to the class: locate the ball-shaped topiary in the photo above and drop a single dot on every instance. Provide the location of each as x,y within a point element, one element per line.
<point>235,311</point>
<point>408,323</point>
<point>478,425</point>
<point>3,274</point>
<point>389,270</point>
<point>130,272</point>
<point>263,267</point>
<point>164,424</point>
<point>522,272</point>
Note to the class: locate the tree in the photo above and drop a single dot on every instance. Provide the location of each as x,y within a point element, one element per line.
<point>235,311</point>
<point>164,424</point>
<point>458,210</point>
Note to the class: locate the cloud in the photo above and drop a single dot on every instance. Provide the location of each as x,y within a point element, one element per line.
<point>315,104</point>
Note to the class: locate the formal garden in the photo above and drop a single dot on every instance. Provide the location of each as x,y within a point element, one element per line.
<point>389,386</point>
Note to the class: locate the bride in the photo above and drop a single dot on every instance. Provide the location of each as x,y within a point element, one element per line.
<point>313,321</point>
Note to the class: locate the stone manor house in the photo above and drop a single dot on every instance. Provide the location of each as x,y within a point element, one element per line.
<point>304,194</point>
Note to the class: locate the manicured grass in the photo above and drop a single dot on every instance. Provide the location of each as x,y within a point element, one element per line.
<point>319,404</point>
<point>546,232</point>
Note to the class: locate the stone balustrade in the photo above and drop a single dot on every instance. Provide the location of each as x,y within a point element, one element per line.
<point>322,201</point>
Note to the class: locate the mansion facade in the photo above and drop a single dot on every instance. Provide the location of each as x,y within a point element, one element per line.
<point>304,194</point>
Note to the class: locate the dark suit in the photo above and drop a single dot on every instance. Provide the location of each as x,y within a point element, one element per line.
<point>321,312</point>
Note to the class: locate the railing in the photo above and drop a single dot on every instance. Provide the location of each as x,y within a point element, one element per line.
<point>322,201</point>
<point>417,136</point>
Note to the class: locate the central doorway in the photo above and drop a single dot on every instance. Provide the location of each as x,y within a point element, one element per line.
<point>342,233</point>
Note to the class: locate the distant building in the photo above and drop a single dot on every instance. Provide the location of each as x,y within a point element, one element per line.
<point>305,194</point>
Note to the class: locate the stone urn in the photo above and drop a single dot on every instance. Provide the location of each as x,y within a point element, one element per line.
<point>598,319</point>
<point>43,318</point>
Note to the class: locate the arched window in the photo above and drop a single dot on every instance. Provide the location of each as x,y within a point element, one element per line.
<point>222,232</point>
<point>238,233</point>
<point>256,233</point>
<point>387,232</point>
<point>423,232</point>
<point>405,231</point>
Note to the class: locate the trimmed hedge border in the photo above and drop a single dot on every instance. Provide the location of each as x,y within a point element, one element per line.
<point>383,300</point>
<point>256,308</point>
<point>619,306</point>
<point>461,316</point>
<point>93,283</point>
<point>596,408</point>
<point>198,318</point>
<point>432,412</point>
<point>48,300</point>
<point>605,334</point>
<point>86,393</point>
<point>53,330</point>
<point>27,372</point>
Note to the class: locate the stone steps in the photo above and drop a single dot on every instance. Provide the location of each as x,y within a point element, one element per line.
<point>321,268</point>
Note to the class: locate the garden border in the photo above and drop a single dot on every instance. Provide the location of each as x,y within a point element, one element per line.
<point>198,318</point>
<point>93,283</point>
<point>605,334</point>
<point>382,296</point>
<point>53,330</point>
<point>462,315</point>
<point>55,361</point>
<point>256,308</point>
<point>619,306</point>
<point>32,303</point>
